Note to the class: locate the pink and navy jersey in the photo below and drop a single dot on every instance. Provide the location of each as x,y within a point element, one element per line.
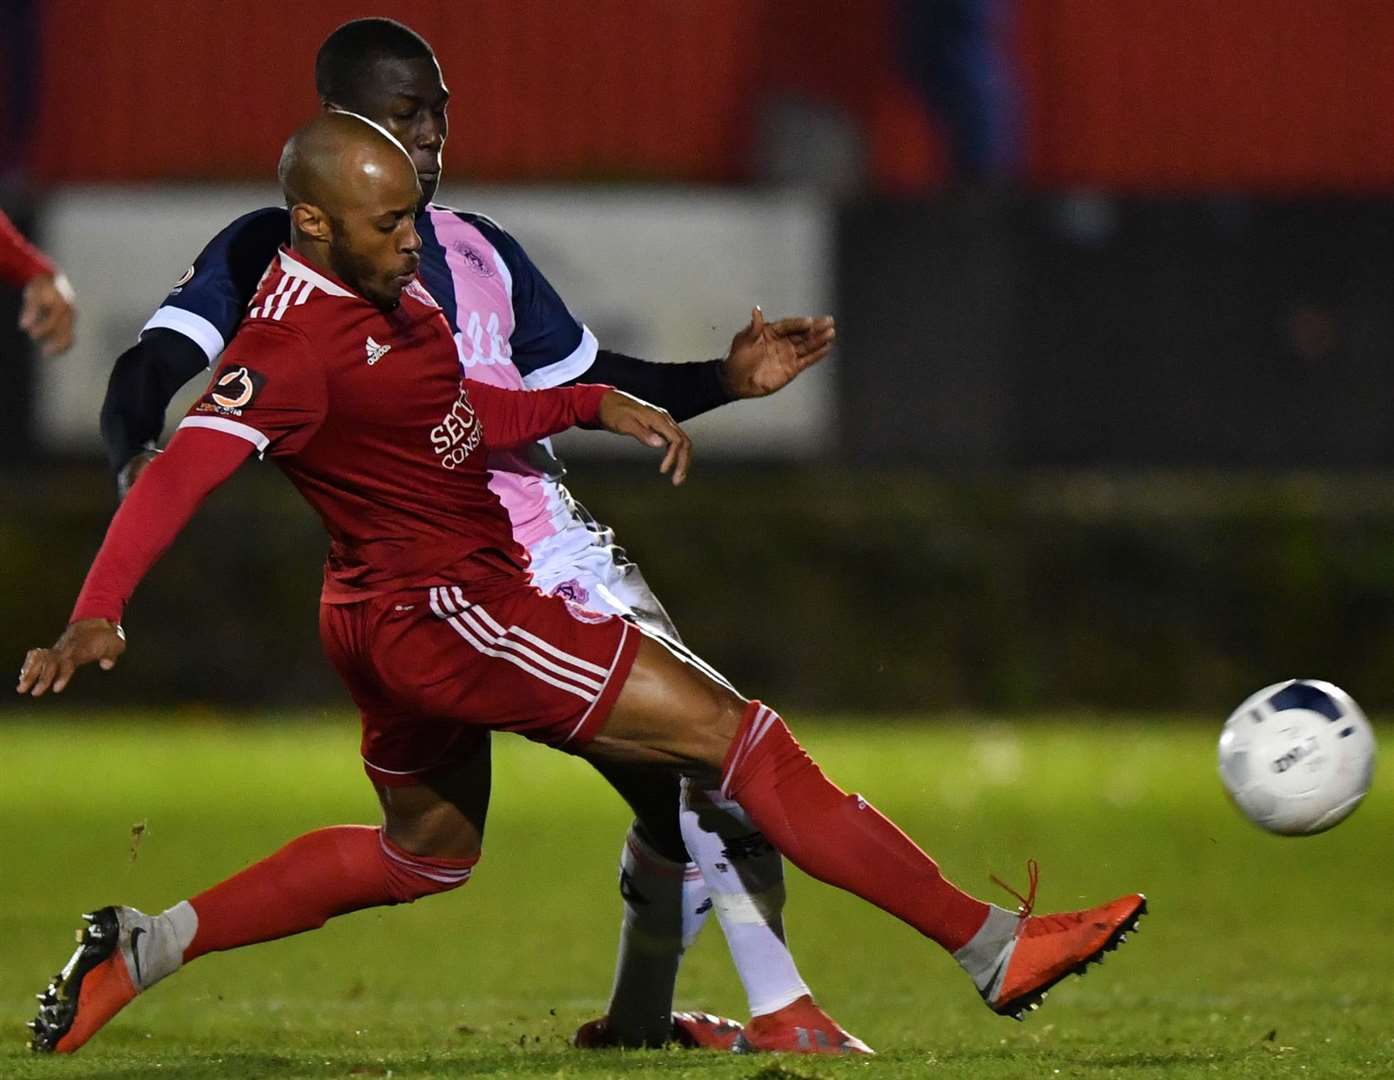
<point>369,415</point>
<point>511,329</point>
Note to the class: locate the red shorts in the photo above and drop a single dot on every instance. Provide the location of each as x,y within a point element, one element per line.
<point>433,674</point>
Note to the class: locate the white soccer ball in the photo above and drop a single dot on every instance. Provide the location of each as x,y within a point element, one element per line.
<point>1297,757</point>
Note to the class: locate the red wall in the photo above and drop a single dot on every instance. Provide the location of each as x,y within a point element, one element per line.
<point>1211,93</point>
<point>1132,94</point>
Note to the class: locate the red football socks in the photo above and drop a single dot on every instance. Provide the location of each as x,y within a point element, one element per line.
<point>837,837</point>
<point>319,875</point>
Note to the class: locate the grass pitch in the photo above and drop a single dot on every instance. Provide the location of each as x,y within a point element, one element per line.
<point>1262,956</point>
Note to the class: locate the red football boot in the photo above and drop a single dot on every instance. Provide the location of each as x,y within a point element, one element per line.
<point>801,1027</point>
<point>691,1030</point>
<point>93,986</point>
<point>1046,948</point>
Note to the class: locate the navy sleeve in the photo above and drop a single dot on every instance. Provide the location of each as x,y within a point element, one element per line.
<point>207,304</point>
<point>144,379</point>
<point>550,347</point>
<point>685,390</point>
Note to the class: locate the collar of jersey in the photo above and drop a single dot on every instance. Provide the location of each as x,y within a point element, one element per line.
<point>292,265</point>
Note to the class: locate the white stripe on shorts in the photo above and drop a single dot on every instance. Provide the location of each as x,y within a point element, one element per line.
<point>520,656</point>
<point>471,618</point>
<point>628,628</point>
<point>492,630</point>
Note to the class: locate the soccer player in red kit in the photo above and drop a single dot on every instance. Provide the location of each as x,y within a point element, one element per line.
<point>346,374</point>
<point>47,312</point>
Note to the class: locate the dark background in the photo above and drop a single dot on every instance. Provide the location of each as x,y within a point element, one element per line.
<point>1113,283</point>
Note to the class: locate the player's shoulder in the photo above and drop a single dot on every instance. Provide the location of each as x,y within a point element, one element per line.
<point>297,295</point>
<point>473,217</point>
<point>490,229</point>
<point>263,217</point>
<point>253,236</point>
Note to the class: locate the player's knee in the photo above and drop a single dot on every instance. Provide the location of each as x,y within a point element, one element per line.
<point>411,876</point>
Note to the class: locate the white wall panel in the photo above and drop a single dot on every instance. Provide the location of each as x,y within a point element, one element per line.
<point>665,274</point>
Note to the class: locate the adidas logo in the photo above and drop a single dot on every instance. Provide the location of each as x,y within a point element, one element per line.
<point>376,352</point>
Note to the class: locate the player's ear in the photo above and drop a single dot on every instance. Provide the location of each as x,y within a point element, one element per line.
<point>311,221</point>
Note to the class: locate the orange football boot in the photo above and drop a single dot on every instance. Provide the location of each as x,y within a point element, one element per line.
<point>1046,948</point>
<point>93,986</point>
<point>801,1027</point>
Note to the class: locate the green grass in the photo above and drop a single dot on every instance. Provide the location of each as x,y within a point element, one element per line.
<point>1262,957</point>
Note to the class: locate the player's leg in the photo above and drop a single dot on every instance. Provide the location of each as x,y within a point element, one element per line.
<point>664,898</point>
<point>665,903</point>
<point>668,713</point>
<point>744,873</point>
<point>667,893</point>
<point>429,843</point>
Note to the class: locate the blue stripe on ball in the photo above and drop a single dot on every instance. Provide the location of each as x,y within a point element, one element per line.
<point>1301,695</point>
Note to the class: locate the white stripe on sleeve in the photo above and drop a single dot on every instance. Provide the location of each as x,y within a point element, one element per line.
<point>229,427</point>
<point>194,327</point>
<point>563,371</point>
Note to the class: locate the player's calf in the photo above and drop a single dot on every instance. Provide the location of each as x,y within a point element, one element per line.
<point>315,877</point>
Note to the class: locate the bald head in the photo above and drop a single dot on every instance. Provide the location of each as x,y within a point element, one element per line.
<point>337,158</point>
<point>353,193</point>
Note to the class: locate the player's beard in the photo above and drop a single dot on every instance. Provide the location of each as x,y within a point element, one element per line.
<point>360,273</point>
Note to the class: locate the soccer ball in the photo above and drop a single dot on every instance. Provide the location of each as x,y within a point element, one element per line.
<point>1297,757</point>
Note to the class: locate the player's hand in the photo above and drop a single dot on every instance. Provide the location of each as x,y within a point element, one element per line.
<point>130,472</point>
<point>626,415</point>
<point>82,642</point>
<point>766,357</point>
<point>47,313</point>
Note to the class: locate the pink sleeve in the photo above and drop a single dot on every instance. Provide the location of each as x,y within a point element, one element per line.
<point>517,417</point>
<point>20,261</point>
<point>157,509</point>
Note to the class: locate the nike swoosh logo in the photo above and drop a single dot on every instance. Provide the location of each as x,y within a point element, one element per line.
<point>995,977</point>
<point>135,952</point>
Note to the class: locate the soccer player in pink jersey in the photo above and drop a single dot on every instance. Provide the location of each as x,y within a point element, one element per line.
<point>346,374</point>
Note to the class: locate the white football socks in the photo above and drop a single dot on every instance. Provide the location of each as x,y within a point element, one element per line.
<point>745,875</point>
<point>664,907</point>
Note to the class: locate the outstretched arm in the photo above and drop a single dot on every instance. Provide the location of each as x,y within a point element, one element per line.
<point>144,380</point>
<point>764,357</point>
<point>170,490</point>
<point>516,417</point>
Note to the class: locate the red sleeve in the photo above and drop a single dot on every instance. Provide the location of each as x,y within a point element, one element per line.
<point>268,390</point>
<point>157,509</point>
<point>20,261</point>
<point>517,417</point>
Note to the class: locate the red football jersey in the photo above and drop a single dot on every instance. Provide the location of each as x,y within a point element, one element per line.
<point>368,414</point>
